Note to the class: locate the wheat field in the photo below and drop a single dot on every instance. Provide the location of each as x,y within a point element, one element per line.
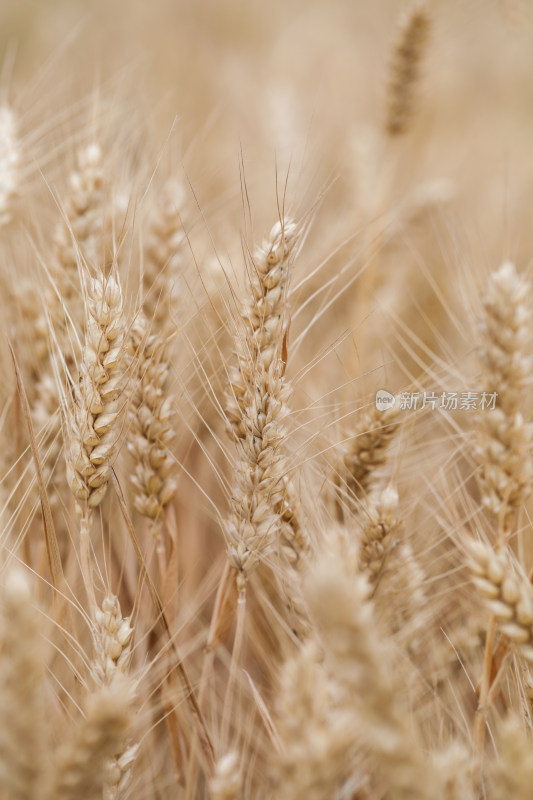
<point>266,406</point>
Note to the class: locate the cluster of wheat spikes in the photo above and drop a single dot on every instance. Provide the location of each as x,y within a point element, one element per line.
<point>265,478</point>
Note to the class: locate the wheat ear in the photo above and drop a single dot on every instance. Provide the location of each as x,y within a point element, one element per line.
<point>508,593</point>
<point>93,417</point>
<point>82,765</point>
<point>381,526</point>
<point>10,154</point>
<point>503,437</point>
<point>257,406</point>
<point>164,256</point>
<point>359,660</point>
<point>365,453</point>
<point>93,420</point>
<point>77,237</point>
<point>512,774</point>
<point>151,429</point>
<point>81,228</point>
<point>316,733</point>
<point>113,639</point>
<point>264,315</point>
<point>23,743</point>
<point>394,574</point>
<point>226,781</point>
<point>407,55</point>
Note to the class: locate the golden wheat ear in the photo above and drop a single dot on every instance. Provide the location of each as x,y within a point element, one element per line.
<point>512,772</point>
<point>10,155</point>
<point>151,429</point>
<point>23,731</point>
<point>113,637</point>
<point>504,438</point>
<point>406,61</point>
<point>257,406</point>
<point>93,420</point>
<point>361,660</point>
<point>315,731</point>
<point>226,783</point>
<point>81,767</point>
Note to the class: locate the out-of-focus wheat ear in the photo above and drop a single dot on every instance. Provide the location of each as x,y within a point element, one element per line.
<point>405,67</point>
<point>388,561</point>
<point>380,527</point>
<point>362,663</point>
<point>81,228</point>
<point>509,596</point>
<point>23,741</point>
<point>46,416</point>
<point>164,256</point>
<point>503,437</point>
<point>151,428</point>
<point>365,453</point>
<point>82,765</point>
<point>225,784</point>
<point>79,239</point>
<point>10,153</point>
<point>508,593</point>
<point>511,775</point>
<point>315,731</point>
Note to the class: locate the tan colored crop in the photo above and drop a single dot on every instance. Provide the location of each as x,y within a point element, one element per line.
<point>94,418</point>
<point>406,61</point>
<point>151,430</point>
<point>509,595</point>
<point>504,436</point>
